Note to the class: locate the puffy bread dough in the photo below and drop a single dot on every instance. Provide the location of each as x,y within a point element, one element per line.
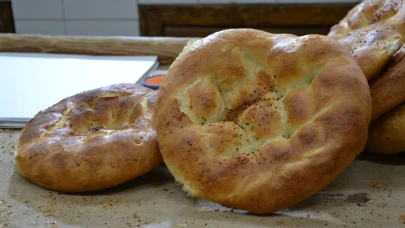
<point>260,121</point>
<point>388,90</point>
<point>373,30</point>
<point>387,133</point>
<point>90,141</point>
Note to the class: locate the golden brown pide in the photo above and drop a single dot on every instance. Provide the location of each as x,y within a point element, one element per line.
<point>90,141</point>
<point>260,121</point>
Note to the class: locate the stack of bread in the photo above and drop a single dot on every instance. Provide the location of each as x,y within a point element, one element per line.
<point>244,118</point>
<point>374,31</point>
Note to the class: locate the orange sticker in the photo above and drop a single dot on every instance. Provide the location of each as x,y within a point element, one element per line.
<point>155,80</point>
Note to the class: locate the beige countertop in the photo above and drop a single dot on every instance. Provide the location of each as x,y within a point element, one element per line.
<point>369,193</point>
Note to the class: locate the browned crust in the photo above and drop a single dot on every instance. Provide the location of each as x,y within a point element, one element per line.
<point>366,13</point>
<point>387,133</point>
<point>90,141</point>
<point>388,90</point>
<point>279,117</point>
<point>373,30</point>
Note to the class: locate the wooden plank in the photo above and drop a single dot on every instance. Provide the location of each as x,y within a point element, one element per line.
<point>153,18</point>
<point>167,49</point>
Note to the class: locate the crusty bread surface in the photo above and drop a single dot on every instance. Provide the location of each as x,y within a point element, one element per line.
<point>90,141</point>
<point>387,133</point>
<point>373,30</point>
<point>260,121</point>
<point>388,90</point>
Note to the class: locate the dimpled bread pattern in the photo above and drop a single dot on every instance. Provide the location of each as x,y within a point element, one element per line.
<point>90,141</point>
<point>260,121</point>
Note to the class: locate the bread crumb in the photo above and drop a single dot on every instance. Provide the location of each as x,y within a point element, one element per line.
<point>334,214</point>
<point>47,212</point>
<point>135,215</point>
<point>48,196</point>
<point>376,185</point>
<point>401,219</point>
<point>107,203</point>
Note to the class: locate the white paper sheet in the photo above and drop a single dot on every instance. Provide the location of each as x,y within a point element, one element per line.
<point>33,82</point>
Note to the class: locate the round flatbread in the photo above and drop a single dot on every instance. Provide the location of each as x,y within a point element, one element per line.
<point>373,31</point>
<point>388,90</point>
<point>387,133</point>
<point>260,121</point>
<point>90,141</point>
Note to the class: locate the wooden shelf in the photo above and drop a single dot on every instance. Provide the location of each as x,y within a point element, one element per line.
<point>202,20</point>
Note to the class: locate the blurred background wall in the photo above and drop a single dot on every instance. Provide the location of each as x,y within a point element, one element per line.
<point>186,18</point>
